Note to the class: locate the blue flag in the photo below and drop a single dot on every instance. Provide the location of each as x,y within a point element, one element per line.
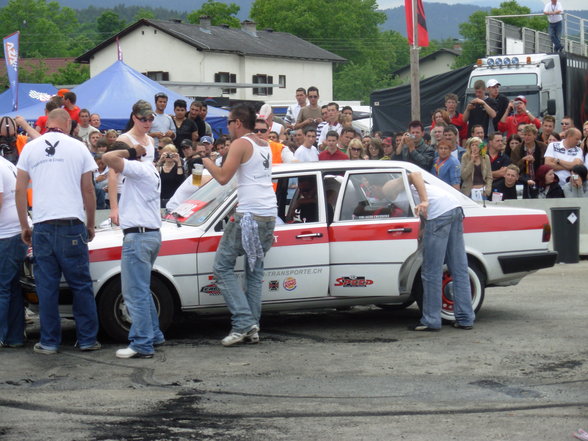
<point>11,57</point>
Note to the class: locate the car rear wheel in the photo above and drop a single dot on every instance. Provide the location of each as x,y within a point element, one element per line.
<point>477,283</point>
<point>115,320</point>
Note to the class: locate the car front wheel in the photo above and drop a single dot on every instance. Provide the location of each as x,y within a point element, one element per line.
<point>115,320</point>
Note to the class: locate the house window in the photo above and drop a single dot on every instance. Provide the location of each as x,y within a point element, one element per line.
<point>226,77</point>
<point>282,81</point>
<point>157,75</point>
<point>263,79</point>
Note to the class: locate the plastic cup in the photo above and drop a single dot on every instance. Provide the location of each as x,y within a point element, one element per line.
<point>197,174</point>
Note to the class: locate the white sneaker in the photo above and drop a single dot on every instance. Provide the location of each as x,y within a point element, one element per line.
<point>237,337</point>
<point>253,339</point>
<point>131,353</point>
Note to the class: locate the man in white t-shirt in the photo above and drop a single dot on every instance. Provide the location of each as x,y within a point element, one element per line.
<point>294,109</point>
<point>563,155</point>
<point>163,125</point>
<point>140,221</point>
<point>307,152</point>
<point>12,255</point>
<point>84,127</point>
<point>332,123</point>
<point>554,10</point>
<point>442,217</point>
<point>60,169</point>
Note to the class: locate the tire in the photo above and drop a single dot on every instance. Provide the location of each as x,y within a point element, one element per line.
<point>477,282</point>
<point>396,306</point>
<point>114,319</point>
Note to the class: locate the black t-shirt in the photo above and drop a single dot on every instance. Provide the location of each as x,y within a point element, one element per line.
<point>479,116</point>
<point>510,192</point>
<point>170,182</point>
<point>201,126</point>
<point>501,106</point>
<point>184,132</point>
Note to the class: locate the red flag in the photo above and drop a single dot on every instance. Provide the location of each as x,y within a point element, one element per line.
<point>423,35</point>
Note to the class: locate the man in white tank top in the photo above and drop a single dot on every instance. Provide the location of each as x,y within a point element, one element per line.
<point>250,230</point>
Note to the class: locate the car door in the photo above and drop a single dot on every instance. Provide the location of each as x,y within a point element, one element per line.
<point>297,265</point>
<point>373,233</point>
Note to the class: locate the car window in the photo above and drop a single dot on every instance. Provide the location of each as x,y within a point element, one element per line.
<point>197,208</point>
<point>298,198</point>
<point>375,196</point>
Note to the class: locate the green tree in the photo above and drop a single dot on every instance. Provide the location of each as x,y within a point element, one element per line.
<point>144,13</point>
<point>219,13</point>
<point>72,73</point>
<point>46,29</point>
<point>474,30</point>
<point>109,24</point>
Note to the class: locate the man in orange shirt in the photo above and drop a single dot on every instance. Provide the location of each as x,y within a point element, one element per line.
<point>69,104</point>
<point>280,153</point>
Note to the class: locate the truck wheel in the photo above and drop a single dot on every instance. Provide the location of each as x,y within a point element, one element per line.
<point>114,317</point>
<point>477,282</point>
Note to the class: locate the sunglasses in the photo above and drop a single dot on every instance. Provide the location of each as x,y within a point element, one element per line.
<point>355,149</point>
<point>313,96</point>
<point>231,121</point>
<point>144,119</point>
<point>259,130</point>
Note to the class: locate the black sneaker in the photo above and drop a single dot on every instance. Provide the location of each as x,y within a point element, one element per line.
<point>422,328</point>
<point>458,326</point>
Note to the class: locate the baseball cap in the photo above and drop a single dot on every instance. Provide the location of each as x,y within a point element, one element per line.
<point>492,82</point>
<point>206,139</point>
<point>265,111</point>
<point>160,95</point>
<point>387,140</point>
<point>521,98</point>
<point>142,109</point>
<point>186,143</point>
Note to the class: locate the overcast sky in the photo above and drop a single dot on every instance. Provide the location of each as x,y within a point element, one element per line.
<point>535,5</point>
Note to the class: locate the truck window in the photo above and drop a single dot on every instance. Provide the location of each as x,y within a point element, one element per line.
<point>505,80</point>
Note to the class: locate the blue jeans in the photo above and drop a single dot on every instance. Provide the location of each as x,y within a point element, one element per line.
<point>245,306</point>
<point>139,252</point>
<point>64,249</point>
<point>555,34</point>
<point>12,322</point>
<point>443,242</point>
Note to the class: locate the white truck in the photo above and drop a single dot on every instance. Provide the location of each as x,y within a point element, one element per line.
<point>522,61</point>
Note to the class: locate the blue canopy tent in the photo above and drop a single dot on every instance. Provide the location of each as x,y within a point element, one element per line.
<point>29,94</point>
<point>113,92</point>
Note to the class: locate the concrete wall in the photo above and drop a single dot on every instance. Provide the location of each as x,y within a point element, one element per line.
<point>547,204</point>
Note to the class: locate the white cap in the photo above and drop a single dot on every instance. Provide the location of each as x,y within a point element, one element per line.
<point>265,111</point>
<point>492,83</point>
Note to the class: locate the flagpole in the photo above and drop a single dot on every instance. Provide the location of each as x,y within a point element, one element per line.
<point>415,92</point>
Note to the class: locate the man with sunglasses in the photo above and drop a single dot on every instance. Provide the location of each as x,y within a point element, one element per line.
<point>250,230</point>
<point>163,124</point>
<point>280,153</point>
<point>310,114</point>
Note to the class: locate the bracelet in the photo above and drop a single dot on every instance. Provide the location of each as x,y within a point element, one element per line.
<point>132,153</point>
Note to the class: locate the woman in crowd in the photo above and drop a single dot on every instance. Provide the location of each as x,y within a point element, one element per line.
<point>440,116</point>
<point>528,156</point>
<point>366,141</point>
<point>355,149</point>
<point>546,184</point>
<point>110,136</point>
<point>186,128</point>
<point>476,171</point>
<point>512,143</point>
<point>171,172</point>
<point>374,149</point>
<point>577,187</point>
<point>554,137</point>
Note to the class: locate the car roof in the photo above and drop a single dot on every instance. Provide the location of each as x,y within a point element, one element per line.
<point>347,165</point>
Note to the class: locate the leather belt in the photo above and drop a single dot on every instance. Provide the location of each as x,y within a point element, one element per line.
<point>63,222</point>
<point>138,230</point>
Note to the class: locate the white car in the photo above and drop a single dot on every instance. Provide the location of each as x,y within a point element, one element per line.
<point>336,244</point>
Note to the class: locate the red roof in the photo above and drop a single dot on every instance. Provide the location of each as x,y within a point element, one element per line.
<point>52,64</point>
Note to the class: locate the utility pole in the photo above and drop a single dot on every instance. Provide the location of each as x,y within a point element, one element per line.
<point>415,91</point>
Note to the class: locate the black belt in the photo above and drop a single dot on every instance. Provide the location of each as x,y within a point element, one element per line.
<point>138,230</point>
<point>63,222</point>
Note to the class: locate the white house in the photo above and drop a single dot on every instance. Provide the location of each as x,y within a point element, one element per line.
<point>233,60</point>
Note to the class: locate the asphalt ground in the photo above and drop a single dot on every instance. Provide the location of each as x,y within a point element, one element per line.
<point>520,374</point>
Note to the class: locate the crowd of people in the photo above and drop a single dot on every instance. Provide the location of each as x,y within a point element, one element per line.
<point>66,166</point>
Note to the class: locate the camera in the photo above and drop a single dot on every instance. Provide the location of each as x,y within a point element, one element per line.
<point>574,177</point>
<point>168,155</point>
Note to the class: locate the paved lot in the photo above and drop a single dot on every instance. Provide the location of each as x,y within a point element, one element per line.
<point>521,374</point>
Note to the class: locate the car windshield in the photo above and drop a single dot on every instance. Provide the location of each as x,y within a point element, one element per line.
<point>203,202</point>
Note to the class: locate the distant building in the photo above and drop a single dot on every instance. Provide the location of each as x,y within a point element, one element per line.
<point>50,65</point>
<point>231,61</point>
<point>435,63</point>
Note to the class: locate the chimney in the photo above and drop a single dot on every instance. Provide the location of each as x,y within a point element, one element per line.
<point>249,27</point>
<point>205,21</point>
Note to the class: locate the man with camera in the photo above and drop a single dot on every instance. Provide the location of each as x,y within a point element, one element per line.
<point>521,115</point>
<point>413,148</point>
